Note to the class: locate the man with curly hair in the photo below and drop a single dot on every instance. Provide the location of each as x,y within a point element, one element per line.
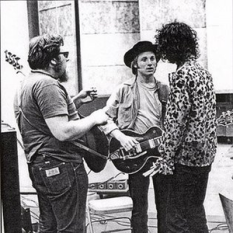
<point>48,121</point>
<point>189,140</point>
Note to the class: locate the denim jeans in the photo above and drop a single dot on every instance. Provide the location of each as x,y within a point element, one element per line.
<point>62,192</point>
<point>186,213</point>
<point>162,189</point>
<point>138,188</point>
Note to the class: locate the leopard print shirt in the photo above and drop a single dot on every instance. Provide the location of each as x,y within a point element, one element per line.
<point>189,136</point>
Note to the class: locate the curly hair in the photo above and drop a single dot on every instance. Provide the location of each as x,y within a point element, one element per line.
<point>42,49</point>
<point>177,42</point>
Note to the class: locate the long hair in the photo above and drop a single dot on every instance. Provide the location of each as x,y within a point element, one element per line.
<point>177,42</point>
<point>42,49</point>
<point>134,65</point>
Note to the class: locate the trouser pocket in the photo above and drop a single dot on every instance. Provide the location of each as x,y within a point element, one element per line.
<point>53,177</point>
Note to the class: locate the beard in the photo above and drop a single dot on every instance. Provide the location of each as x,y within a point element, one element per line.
<point>64,77</point>
<point>62,72</point>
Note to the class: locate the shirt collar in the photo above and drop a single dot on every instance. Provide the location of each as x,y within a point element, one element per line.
<point>43,72</point>
<point>132,81</point>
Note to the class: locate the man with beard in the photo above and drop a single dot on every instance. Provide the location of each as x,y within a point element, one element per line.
<point>49,122</point>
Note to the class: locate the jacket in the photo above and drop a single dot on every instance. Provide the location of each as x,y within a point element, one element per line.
<point>123,105</point>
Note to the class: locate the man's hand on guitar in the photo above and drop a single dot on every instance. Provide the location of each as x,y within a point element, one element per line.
<point>130,151</point>
<point>127,142</point>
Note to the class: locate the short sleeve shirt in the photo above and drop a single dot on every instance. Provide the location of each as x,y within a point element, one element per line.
<point>43,97</point>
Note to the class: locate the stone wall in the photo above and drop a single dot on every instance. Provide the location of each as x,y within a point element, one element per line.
<point>155,13</point>
<point>58,17</point>
<point>108,28</point>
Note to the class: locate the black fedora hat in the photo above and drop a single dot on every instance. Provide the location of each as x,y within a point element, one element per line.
<point>140,47</point>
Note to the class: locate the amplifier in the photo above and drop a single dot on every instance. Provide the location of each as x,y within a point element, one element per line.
<point>10,190</point>
<point>113,185</point>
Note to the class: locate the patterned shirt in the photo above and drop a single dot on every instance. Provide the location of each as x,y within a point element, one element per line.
<point>189,136</point>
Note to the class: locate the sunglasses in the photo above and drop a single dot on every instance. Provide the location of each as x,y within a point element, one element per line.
<point>66,54</point>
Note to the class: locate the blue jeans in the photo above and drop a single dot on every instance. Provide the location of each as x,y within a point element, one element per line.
<point>162,189</point>
<point>138,188</point>
<point>186,213</point>
<point>62,191</point>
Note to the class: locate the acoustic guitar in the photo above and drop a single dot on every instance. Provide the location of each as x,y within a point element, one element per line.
<point>145,151</point>
<point>95,147</point>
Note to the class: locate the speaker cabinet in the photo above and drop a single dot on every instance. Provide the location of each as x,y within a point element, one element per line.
<point>10,194</point>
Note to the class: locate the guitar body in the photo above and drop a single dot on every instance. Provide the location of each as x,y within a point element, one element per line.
<point>132,163</point>
<point>96,140</point>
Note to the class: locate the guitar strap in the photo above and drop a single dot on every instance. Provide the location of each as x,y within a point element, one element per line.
<point>163,93</point>
<point>81,146</point>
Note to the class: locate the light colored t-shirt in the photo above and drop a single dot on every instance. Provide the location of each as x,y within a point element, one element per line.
<point>150,110</point>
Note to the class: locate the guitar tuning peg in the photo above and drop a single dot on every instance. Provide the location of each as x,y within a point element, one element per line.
<point>6,55</point>
<point>18,66</point>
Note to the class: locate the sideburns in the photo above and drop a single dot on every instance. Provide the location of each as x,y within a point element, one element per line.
<point>58,66</point>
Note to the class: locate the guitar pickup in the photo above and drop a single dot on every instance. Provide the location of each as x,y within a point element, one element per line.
<point>151,143</point>
<point>122,153</point>
<point>138,148</point>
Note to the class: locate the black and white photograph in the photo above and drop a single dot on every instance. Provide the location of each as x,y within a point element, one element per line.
<point>116,116</point>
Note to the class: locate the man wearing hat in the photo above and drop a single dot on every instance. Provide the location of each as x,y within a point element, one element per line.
<point>138,104</point>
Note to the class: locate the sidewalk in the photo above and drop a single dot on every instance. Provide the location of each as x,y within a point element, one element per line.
<point>220,180</point>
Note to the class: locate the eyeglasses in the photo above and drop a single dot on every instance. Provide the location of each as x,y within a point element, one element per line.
<point>66,54</point>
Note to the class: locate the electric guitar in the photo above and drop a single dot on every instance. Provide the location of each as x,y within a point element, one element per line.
<point>95,147</point>
<point>134,160</point>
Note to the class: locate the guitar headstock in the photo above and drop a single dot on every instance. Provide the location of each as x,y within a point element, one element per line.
<point>13,60</point>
